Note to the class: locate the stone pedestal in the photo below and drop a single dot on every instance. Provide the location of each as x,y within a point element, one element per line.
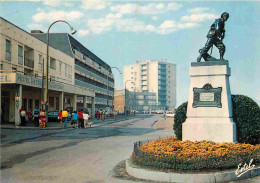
<point>209,113</point>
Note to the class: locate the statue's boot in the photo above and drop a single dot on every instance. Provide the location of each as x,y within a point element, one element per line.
<point>199,58</point>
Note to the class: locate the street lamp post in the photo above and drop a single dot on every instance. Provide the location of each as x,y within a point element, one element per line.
<point>108,83</point>
<point>73,31</point>
<point>125,96</point>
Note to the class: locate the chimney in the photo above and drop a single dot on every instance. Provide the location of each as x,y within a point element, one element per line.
<point>36,31</point>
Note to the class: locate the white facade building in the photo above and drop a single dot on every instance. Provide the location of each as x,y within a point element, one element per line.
<point>22,57</point>
<point>153,76</point>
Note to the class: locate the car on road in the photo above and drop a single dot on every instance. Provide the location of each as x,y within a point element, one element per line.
<point>169,114</point>
<point>53,116</point>
<point>159,112</point>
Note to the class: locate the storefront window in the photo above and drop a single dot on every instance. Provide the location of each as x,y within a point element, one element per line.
<point>51,101</point>
<point>25,104</point>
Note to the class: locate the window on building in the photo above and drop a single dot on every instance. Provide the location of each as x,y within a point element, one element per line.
<point>53,64</point>
<point>40,62</point>
<point>66,69</point>
<point>8,50</point>
<point>20,55</point>
<point>60,64</point>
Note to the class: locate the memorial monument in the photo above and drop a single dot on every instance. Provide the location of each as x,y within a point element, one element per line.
<point>209,113</point>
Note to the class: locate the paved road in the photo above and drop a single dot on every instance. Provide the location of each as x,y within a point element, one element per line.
<point>74,155</point>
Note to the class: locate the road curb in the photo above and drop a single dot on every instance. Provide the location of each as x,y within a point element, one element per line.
<point>95,124</point>
<point>211,177</point>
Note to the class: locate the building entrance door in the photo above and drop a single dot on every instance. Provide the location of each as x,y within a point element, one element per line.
<point>5,106</point>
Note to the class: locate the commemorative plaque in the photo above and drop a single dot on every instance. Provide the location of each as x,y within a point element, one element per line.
<point>207,96</point>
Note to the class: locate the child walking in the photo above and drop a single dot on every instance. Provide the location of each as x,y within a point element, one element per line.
<point>85,116</point>
<point>75,117</point>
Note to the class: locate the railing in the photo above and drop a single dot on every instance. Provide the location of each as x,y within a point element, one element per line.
<point>78,54</point>
<point>79,68</point>
<point>96,88</point>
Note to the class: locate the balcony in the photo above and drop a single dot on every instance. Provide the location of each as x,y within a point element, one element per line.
<point>78,54</point>
<point>28,57</point>
<point>29,62</point>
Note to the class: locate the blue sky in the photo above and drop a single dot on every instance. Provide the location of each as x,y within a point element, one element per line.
<point>123,32</point>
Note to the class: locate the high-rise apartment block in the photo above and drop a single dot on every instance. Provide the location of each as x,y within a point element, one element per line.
<point>153,76</point>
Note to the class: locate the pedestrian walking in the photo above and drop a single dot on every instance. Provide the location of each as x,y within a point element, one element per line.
<point>115,114</point>
<point>74,119</point>
<point>85,117</point>
<point>22,115</point>
<point>36,113</point>
<point>65,117</point>
<point>29,117</point>
<point>164,114</point>
<point>97,113</point>
<point>60,117</point>
<point>100,114</point>
<point>80,119</point>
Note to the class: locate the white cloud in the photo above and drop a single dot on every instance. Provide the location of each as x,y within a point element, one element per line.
<point>151,8</point>
<point>155,18</point>
<point>56,3</point>
<point>198,10</point>
<point>115,21</point>
<point>169,26</point>
<point>118,23</point>
<point>83,32</point>
<point>94,4</point>
<point>37,27</point>
<point>56,15</point>
<point>150,28</point>
<point>174,6</point>
<point>199,17</point>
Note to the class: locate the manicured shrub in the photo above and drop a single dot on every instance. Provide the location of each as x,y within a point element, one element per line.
<point>172,154</point>
<point>179,118</point>
<point>246,115</point>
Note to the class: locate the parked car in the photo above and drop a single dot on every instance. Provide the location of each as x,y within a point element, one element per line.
<point>159,112</point>
<point>169,114</point>
<point>53,116</point>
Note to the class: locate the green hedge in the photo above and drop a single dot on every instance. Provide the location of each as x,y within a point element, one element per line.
<point>246,115</point>
<point>179,118</point>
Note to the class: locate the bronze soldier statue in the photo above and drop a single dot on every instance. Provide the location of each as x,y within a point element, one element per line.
<point>215,36</point>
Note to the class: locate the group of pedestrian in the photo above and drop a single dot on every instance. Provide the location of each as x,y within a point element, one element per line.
<point>31,117</point>
<point>100,115</point>
<point>78,119</point>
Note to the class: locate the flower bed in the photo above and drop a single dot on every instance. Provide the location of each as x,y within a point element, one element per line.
<point>173,154</point>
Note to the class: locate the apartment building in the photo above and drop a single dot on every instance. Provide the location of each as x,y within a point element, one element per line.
<point>154,76</point>
<point>22,64</point>
<point>90,71</point>
<point>135,101</point>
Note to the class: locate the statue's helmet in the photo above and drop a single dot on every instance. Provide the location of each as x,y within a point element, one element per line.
<point>225,15</point>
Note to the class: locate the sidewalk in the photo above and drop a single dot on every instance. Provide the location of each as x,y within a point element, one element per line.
<point>55,125</point>
<point>166,124</point>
